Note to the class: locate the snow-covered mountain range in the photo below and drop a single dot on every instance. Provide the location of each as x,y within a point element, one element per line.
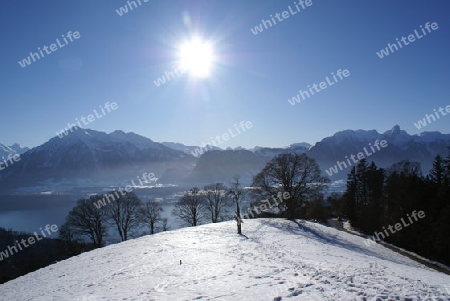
<point>87,157</point>
<point>421,147</point>
<point>274,259</point>
<point>92,158</point>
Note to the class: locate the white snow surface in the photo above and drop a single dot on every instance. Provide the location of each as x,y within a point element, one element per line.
<point>275,259</point>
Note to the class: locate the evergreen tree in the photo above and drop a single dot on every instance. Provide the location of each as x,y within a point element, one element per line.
<point>447,169</point>
<point>362,190</point>
<point>373,211</point>
<point>350,195</point>
<point>363,197</point>
<point>437,174</point>
<point>376,198</point>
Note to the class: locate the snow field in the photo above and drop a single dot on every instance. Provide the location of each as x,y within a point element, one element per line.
<point>275,259</point>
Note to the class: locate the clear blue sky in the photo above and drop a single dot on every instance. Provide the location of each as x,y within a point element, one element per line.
<point>117,59</point>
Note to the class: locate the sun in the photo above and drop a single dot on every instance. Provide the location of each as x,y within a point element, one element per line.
<point>197,57</point>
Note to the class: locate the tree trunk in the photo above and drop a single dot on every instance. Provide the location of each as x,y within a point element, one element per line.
<point>290,209</point>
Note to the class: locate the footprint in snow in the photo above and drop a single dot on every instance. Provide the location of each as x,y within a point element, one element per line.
<point>160,287</point>
<point>281,289</point>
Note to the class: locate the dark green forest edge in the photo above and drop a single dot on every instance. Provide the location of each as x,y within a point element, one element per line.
<point>290,186</point>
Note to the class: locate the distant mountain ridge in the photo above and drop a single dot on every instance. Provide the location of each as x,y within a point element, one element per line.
<point>88,157</point>
<point>197,151</point>
<point>190,149</point>
<point>421,147</point>
<point>91,158</point>
<point>12,149</point>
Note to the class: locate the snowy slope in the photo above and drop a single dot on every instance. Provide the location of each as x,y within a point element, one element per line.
<point>275,260</point>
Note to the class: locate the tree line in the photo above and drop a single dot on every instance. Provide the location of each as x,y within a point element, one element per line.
<point>127,214</point>
<point>295,174</point>
<point>376,198</point>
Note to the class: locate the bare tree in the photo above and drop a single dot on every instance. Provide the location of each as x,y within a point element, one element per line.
<point>70,244</point>
<point>151,214</point>
<point>236,192</point>
<point>67,234</point>
<point>216,201</point>
<point>85,219</point>
<point>190,208</point>
<point>295,174</point>
<point>124,213</point>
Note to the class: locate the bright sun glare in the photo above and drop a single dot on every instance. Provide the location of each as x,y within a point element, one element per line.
<point>196,57</point>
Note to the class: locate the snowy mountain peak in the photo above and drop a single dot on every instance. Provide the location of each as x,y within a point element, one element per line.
<point>13,150</point>
<point>350,136</point>
<point>395,131</point>
<point>140,141</point>
<point>397,136</point>
<point>89,156</point>
<point>18,148</point>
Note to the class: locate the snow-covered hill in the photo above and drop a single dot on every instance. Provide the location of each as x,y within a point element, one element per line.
<point>275,259</point>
